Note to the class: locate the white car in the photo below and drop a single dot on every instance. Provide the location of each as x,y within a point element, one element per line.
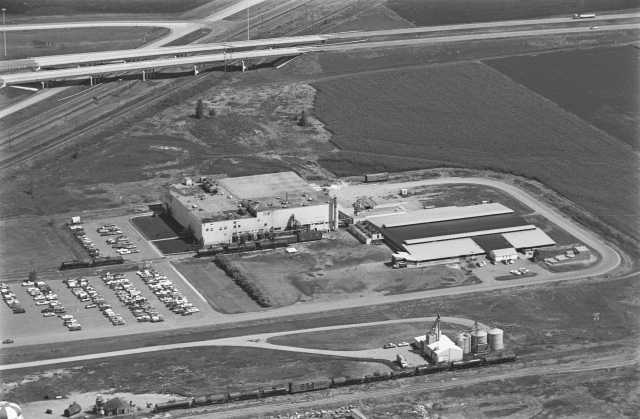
<point>124,251</point>
<point>403,344</point>
<point>27,284</point>
<point>50,314</point>
<point>39,297</point>
<point>42,303</point>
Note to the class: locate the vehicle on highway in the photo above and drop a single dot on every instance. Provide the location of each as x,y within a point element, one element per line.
<point>390,345</point>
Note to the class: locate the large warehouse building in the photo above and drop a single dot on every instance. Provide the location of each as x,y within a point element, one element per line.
<point>448,234</point>
<point>247,208</point>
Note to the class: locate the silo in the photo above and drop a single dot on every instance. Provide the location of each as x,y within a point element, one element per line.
<point>467,344</point>
<point>495,337</point>
<point>460,340</point>
<point>478,340</point>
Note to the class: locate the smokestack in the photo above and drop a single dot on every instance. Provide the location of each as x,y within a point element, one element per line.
<point>335,213</point>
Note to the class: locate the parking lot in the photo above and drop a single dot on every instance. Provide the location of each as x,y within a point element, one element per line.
<point>32,327</point>
<point>91,227</point>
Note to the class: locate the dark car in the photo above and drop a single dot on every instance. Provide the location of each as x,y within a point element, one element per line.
<point>6,341</point>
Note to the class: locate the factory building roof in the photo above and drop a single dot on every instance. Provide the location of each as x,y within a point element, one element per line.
<point>286,185</point>
<point>444,249</point>
<point>528,238</point>
<point>469,234</point>
<point>434,215</point>
<point>443,345</point>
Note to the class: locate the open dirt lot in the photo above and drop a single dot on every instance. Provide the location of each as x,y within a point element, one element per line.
<point>25,44</point>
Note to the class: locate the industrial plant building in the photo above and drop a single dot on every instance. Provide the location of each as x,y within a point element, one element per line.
<point>249,208</point>
<point>449,234</point>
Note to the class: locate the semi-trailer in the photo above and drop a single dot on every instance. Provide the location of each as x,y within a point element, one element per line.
<point>584,16</point>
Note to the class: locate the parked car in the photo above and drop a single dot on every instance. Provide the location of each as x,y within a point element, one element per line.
<point>49,314</point>
<point>27,283</point>
<point>91,306</point>
<point>390,345</point>
<point>42,303</point>
<point>403,344</point>
<point>135,251</point>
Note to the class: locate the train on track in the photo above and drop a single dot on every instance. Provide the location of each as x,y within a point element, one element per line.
<point>304,386</point>
<point>85,263</point>
<point>263,243</point>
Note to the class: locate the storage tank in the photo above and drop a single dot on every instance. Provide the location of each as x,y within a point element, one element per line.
<point>467,344</point>
<point>478,339</point>
<point>495,339</point>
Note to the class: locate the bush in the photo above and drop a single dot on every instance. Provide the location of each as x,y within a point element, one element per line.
<point>199,109</point>
<point>225,263</point>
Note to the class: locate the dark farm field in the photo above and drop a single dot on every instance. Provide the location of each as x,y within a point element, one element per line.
<point>469,115</point>
<point>444,12</point>
<point>599,85</point>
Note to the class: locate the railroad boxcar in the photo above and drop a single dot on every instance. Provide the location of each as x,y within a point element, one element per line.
<point>109,260</point>
<point>244,395</point>
<point>476,362</point>
<point>75,264</point>
<point>274,391</point>
<point>500,358</point>
<point>210,399</point>
<point>299,387</point>
<point>309,236</point>
<point>177,404</point>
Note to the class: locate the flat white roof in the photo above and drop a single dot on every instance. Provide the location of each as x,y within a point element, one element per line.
<point>529,238</point>
<point>444,249</point>
<point>471,234</point>
<point>441,214</point>
<point>504,252</point>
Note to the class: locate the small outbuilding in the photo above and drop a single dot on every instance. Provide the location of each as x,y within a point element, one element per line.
<point>503,254</point>
<point>116,406</point>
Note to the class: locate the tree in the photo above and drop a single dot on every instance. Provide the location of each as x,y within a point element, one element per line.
<point>200,109</point>
<point>303,119</point>
<point>188,232</point>
<point>33,276</point>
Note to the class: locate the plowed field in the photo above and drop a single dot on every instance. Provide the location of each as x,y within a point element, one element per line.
<point>469,115</point>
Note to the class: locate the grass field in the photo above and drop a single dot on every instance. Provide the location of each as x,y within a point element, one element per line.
<point>158,227</point>
<point>360,338</point>
<point>221,292</point>
<point>581,82</point>
<point>79,7</point>
<point>469,115</point>
<point>173,246</point>
<point>443,12</point>
<point>25,44</point>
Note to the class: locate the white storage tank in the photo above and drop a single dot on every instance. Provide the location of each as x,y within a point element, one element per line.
<point>460,340</point>
<point>466,343</point>
<point>495,337</point>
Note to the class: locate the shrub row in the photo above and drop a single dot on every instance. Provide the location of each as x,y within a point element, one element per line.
<point>225,263</point>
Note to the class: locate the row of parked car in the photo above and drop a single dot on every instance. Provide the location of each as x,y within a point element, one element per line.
<point>166,292</point>
<point>87,243</point>
<point>132,298</point>
<point>520,271</point>
<point>123,245</point>
<point>87,293</point>
<point>109,230</point>
<point>11,300</point>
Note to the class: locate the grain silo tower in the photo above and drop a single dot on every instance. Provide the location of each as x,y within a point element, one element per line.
<point>478,339</point>
<point>495,339</point>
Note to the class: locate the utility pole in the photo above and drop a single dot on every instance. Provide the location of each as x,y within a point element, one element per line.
<point>596,317</point>
<point>4,31</point>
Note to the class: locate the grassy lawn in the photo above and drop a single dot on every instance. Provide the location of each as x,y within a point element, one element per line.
<point>177,245</point>
<point>221,292</point>
<point>24,44</point>
<point>158,227</point>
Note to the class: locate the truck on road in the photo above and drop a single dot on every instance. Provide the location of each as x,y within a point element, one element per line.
<point>584,16</point>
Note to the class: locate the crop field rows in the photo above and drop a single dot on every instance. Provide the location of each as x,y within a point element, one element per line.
<point>468,115</point>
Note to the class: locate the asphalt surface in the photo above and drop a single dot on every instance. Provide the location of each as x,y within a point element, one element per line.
<point>258,341</point>
<point>610,260</point>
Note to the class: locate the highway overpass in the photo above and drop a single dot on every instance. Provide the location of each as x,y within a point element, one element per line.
<point>144,67</point>
<point>74,60</point>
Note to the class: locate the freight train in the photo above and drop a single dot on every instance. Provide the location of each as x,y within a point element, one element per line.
<point>85,263</point>
<point>260,244</point>
<point>301,387</point>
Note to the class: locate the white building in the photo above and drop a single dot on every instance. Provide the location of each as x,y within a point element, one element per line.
<point>443,350</point>
<point>248,208</point>
<point>503,254</point>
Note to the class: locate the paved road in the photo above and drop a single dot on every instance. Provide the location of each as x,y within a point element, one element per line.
<point>610,260</point>
<point>257,341</point>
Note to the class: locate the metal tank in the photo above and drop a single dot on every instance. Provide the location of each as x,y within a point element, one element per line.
<point>495,339</point>
<point>467,344</point>
<point>478,340</point>
<point>460,340</point>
